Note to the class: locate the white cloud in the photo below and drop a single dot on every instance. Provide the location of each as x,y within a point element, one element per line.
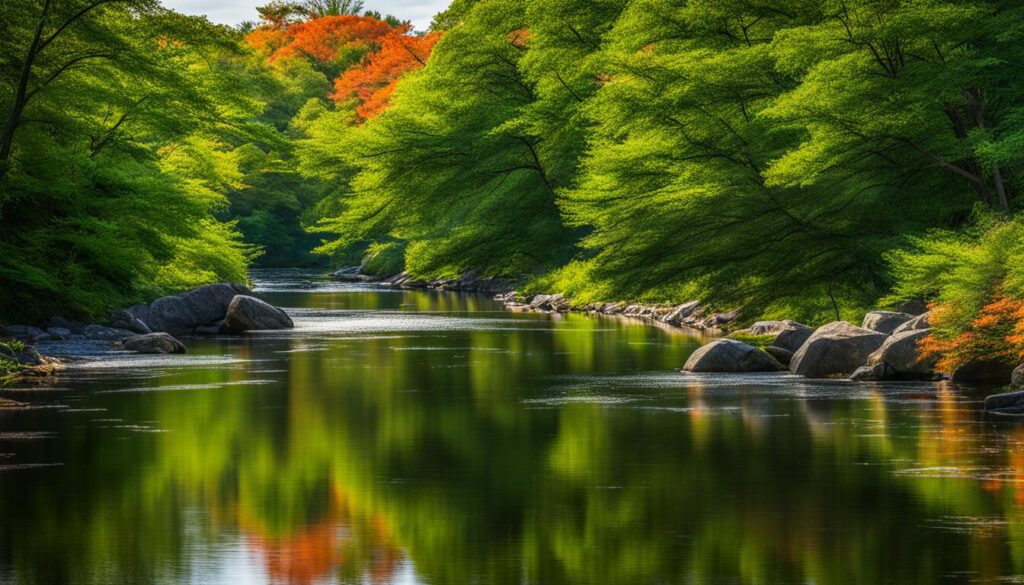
<point>420,12</point>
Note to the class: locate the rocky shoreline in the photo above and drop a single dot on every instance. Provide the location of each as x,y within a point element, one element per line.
<point>212,309</point>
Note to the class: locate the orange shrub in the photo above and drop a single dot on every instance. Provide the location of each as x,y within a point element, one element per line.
<point>997,333</point>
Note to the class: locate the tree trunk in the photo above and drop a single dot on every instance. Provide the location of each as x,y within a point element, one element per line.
<point>973,97</point>
<point>21,94</point>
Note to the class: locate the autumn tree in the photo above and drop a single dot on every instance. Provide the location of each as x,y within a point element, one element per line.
<point>372,82</point>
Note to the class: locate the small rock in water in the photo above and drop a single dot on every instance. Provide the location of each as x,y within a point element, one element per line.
<point>154,343</point>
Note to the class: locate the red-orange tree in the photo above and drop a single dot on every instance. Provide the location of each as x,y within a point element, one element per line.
<point>373,81</point>
<point>338,41</point>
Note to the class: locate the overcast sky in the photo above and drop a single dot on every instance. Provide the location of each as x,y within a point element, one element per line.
<point>420,12</point>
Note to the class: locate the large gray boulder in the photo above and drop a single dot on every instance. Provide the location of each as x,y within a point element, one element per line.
<point>915,324</point>
<point>247,313</point>
<point>793,339</point>
<point>885,321</point>
<point>181,313</point>
<point>836,349</point>
<point>900,354</point>
<point>154,343</point>
<point>729,355</point>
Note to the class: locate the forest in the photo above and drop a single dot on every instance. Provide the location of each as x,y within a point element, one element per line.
<point>804,159</point>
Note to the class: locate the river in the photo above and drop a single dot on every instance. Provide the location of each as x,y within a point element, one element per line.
<point>421,437</point>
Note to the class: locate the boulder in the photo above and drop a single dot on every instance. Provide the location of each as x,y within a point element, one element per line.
<point>552,303</point>
<point>914,307</point>
<point>915,324</point>
<point>792,339</point>
<point>873,373</point>
<point>775,327</point>
<point>719,319</point>
<point>784,356</point>
<point>72,326</point>
<point>1013,401</point>
<point>836,349</point>
<point>122,319</point>
<point>249,313</point>
<point>885,321</point>
<point>729,355</point>
<point>899,353</point>
<point>154,343</point>
<point>101,333</point>
<point>22,331</point>
<point>55,334</point>
<point>983,371</point>
<point>183,312</point>
<point>1017,376</point>
<point>677,315</point>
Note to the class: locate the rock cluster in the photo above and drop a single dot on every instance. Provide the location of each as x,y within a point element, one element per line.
<point>208,309</point>
<point>690,315</point>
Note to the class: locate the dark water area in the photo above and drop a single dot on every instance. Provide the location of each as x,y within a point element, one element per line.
<point>421,437</point>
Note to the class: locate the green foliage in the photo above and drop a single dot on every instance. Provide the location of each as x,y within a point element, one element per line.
<point>963,271</point>
<point>452,167</point>
<point>120,158</point>
<point>384,259</point>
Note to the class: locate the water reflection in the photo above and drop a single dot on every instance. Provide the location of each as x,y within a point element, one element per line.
<point>487,447</point>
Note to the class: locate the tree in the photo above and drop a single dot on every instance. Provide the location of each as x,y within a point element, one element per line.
<point>373,81</point>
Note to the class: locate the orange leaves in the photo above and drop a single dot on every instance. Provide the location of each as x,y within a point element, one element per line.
<point>320,38</point>
<point>373,81</point>
<point>997,333</point>
<point>390,54</point>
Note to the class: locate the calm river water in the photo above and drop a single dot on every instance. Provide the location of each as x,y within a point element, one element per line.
<point>421,437</point>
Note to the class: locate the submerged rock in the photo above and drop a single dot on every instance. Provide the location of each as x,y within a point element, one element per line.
<point>885,321</point>
<point>729,355</point>
<point>154,343</point>
<point>247,313</point>
<point>836,349</point>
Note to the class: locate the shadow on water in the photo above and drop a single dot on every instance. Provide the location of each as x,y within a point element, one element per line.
<point>422,437</point>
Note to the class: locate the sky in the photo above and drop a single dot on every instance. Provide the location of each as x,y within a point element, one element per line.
<point>420,12</point>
